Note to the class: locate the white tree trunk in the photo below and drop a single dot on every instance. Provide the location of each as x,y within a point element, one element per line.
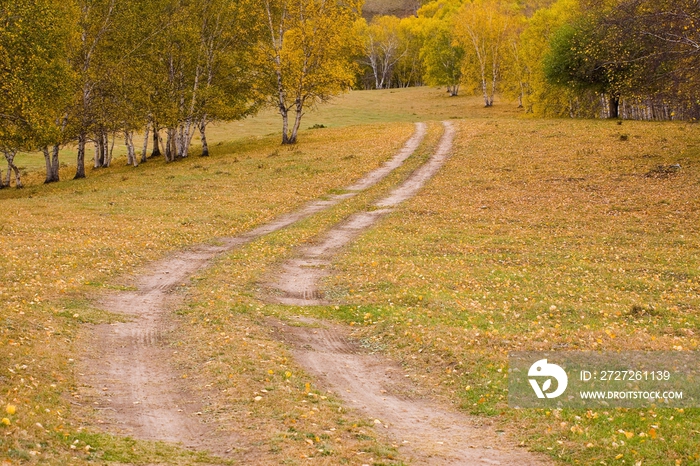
<point>144,155</point>
<point>51,174</point>
<point>297,123</point>
<point>130,151</point>
<point>11,163</point>
<point>108,159</point>
<point>203,136</point>
<point>98,148</point>
<point>6,182</point>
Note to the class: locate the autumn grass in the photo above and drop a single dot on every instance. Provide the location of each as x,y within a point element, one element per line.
<point>65,243</point>
<point>353,108</point>
<point>535,235</point>
<point>541,235</point>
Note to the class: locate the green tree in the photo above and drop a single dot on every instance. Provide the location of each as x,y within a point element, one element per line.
<point>482,27</point>
<point>443,56</point>
<point>202,69</point>
<point>35,80</point>
<point>642,54</point>
<point>93,61</point>
<point>585,57</point>
<point>539,95</point>
<point>658,44</point>
<point>306,55</point>
<point>228,36</point>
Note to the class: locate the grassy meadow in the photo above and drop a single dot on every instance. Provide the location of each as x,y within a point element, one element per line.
<point>542,235</point>
<point>537,234</point>
<point>64,243</point>
<point>353,108</point>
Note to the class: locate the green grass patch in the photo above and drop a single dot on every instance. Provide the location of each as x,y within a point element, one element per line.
<point>100,447</point>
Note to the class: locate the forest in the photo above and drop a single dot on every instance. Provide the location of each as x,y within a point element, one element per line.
<point>90,72</point>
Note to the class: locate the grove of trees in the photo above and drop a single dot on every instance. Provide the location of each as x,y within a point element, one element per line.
<point>580,58</point>
<point>91,72</point>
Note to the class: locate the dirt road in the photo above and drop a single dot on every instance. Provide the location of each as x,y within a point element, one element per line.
<point>128,369</point>
<point>427,432</point>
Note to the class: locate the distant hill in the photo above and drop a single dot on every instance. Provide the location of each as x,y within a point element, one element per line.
<point>403,8</point>
<point>400,8</point>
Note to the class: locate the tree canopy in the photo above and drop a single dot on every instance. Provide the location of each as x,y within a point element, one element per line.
<point>585,58</point>
<point>304,54</point>
<point>88,72</point>
<point>92,71</point>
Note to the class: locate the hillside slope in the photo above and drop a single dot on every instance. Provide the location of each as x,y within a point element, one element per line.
<point>400,8</point>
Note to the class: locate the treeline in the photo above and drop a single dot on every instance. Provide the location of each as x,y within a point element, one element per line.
<point>636,59</point>
<point>89,72</point>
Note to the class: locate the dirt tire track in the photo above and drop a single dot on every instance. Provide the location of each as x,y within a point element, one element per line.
<point>426,432</point>
<point>373,384</point>
<point>127,369</point>
<point>297,284</point>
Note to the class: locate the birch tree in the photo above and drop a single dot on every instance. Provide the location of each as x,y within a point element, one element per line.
<point>206,70</point>
<point>306,55</point>
<point>228,35</point>
<point>177,53</point>
<point>443,56</point>
<point>93,63</point>
<point>383,47</point>
<point>410,68</point>
<point>482,28</point>
<point>35,82</point>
